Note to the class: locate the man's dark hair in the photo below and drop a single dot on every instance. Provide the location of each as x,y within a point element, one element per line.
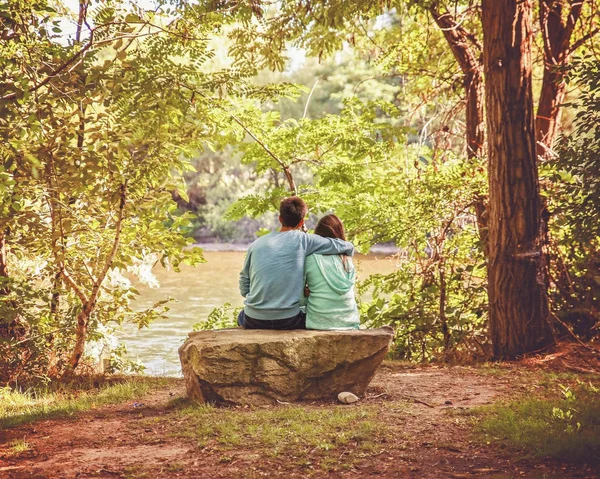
<point>292,210</point>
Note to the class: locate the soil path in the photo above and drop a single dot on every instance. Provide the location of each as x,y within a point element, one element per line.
<point>423,407</point>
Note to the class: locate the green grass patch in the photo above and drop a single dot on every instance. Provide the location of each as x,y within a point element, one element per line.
<point>566,425</point>
<point>282,430</point>
<point>18,446</point>
<point>18,407</point>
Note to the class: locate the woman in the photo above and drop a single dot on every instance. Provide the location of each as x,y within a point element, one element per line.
<point>329,296</point>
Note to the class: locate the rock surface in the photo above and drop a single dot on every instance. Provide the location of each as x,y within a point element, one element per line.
<point>237,366</point>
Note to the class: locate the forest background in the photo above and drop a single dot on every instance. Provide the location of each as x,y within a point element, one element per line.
<point>144,129</point>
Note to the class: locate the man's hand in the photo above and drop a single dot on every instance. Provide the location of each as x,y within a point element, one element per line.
<point>306,291</point>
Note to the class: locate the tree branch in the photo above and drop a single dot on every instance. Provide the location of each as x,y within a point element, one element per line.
<point>286,168</point>
<point>115,246</point>
<point>584,39</point>
<point>74,286</point>
<point>62,67</point>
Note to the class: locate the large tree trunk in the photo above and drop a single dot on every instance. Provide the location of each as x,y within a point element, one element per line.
<point>518,310</point>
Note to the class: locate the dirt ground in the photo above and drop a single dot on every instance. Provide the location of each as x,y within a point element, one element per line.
<point>422,405</point>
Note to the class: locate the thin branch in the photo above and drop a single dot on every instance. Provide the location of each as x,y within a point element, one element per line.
<point>62,67</point>
<point>74,286</point>
<point>74,60</point>
<point>286,168</point>
<point>584,39</point>
<point>83,6</point>
<point>308,99</point>
<point>571,332</point>
<point>115,246</point>
<point>40,335</point>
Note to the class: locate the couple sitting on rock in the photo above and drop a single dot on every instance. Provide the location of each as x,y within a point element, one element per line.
<point>290,269</point>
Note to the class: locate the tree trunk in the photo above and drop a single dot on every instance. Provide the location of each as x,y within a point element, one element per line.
<point>3,260</point>
<point>467,52</point>
<point>557,31</point>
<point>89,303</point>
<point>443,320</point>
<point>81,335</point>
<point>552,96</point>
<point>10,324</point>
<point>518,302</point>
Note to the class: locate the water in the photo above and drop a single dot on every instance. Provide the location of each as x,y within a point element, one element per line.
<point>197,291</point>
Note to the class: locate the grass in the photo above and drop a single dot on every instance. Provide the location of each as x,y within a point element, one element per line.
<point>291,430</point>
<point>18,446</point>
<point>18,407</point>
<point>565,426</point>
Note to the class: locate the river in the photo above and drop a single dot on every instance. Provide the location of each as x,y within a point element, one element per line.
<point>197,291</point>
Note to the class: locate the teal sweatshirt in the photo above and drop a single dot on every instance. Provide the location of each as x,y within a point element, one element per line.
<point>331,303</point>
<point>271,279</point>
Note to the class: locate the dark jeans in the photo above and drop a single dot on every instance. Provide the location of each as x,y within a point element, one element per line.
<point>296,322</point>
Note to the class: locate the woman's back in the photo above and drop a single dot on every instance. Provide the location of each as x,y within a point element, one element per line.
<point>331,303</point>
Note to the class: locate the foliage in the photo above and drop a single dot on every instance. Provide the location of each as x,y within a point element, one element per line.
<point>97,129</point>
<point>220,179</point>
<point>388,168</point>
<point>567,427</point>
<point>573,184</point>
<point>17,446</point>
<point>397,51</point>
<point>436,300</point>
<point>419,198</point>
<point>398,41</point>
<point>219,318</point>
<point>102,127</point>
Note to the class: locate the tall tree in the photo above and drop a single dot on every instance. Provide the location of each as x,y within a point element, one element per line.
<point>518,303</point>
<point>467,51</point>
<point>561,38</point>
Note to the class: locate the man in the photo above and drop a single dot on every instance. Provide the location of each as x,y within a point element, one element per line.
<point>272,277</point>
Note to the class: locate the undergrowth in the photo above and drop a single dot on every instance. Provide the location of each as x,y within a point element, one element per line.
<point>566,425</point>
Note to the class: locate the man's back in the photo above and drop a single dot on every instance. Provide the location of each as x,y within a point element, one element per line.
<point>272,277</point>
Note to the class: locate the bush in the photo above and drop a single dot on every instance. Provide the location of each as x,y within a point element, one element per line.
<point>573,194</point>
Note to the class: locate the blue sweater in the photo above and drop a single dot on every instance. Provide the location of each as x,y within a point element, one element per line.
<point>272,277</point>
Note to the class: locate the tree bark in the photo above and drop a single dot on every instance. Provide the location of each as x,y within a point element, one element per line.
<point>557,32</point>
<point>10,324</point>
<point>90,302</point>
<point>3,259</point>
<point>518,302</point>
<point>467,52</point>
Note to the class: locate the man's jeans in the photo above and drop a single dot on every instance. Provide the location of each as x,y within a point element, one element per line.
<point>296,322</point>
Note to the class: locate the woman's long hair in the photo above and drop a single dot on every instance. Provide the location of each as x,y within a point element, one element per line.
<point>330,226</point>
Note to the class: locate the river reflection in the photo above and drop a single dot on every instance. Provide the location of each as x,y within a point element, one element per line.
<point>196,292</point>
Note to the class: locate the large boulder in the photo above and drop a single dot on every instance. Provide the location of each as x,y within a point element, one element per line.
<point>237,366</point>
